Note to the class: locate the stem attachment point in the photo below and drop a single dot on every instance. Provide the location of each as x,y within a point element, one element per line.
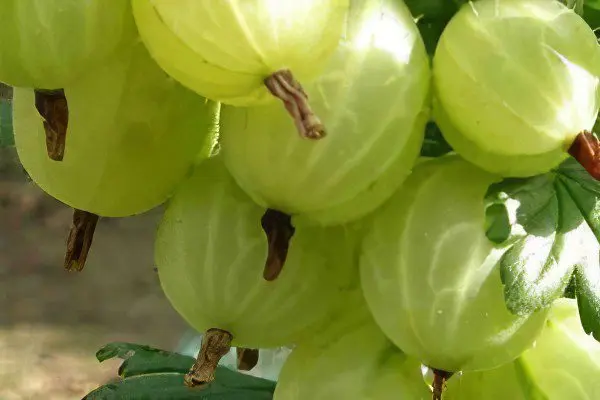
<point>53,108</point>
<point>285,87</point>
<point>279,230</point>
<point>80,239</point>
<point>216,343</point>
<point>439,383</point>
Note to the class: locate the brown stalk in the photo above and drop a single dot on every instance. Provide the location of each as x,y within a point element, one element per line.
<point>80,239</point>
<point>439,383</point>
<point>215,344</point>
<point>285,87</point>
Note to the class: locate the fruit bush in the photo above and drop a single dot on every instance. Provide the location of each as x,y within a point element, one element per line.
<point>405,194</point>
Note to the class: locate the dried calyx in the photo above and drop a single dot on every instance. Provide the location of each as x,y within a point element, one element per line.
<point>586,150</point>
<point>80,239</point>
<point>247,358</point>
<point>53,108</point>
<point>279,230</point>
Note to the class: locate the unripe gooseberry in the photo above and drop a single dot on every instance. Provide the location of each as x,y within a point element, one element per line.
<point>49,44</point>
<point>431,277</point>
<point>516,82</point>
<point>245,52</point>
<point>373,97</point>
<point>563,364</point>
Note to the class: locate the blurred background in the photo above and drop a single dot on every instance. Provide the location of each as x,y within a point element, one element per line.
<point>52,322</point>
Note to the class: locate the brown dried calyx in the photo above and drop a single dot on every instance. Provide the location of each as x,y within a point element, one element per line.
<point>439,383</point>
<point>586,150</point>
<point>246,358</point>
<point>215,344</point>
<point>80,239</point>
<point>282,85</point>
<point>53,108</point>
<point>279,230</point>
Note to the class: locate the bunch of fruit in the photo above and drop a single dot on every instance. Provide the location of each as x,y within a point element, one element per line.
<point>285,138</point>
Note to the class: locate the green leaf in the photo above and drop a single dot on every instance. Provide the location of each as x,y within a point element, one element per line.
<point>434,144</point>
<point>587,286</point>
<point>430,30</point>
<point>434,9</point>
<point>554,224</point>
<point>591,15</point>
<point>432,17</point>
<point>570,290</point>
<point>595,4</point>
<point>170,386</point>
<point>497,223</point>
<point>141,359</point>
<point>151,373</point>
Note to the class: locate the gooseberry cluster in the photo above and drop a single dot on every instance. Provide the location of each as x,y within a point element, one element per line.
<point>284,138</point>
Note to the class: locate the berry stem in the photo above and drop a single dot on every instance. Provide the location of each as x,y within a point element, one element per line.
<point>215,344</point>
<point>283,86</point>
<point>80,239</point>
<point>279,230</point>
<point>246,358</point>
<point>53,108</point>
<point>439,382</point>
<point>586,150</point>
